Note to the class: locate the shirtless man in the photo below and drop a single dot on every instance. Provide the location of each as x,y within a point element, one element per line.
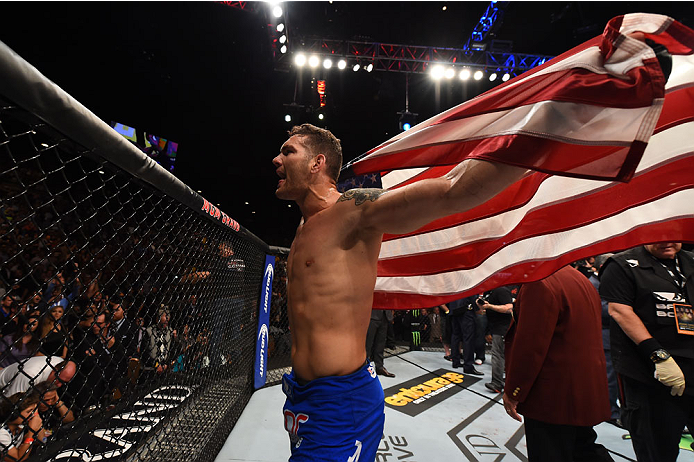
<point>334,409</point>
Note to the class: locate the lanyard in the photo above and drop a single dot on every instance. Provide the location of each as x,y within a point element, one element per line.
<point>678,282</point>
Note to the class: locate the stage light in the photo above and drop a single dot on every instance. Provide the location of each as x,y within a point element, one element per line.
<point>277,11</point>
<point>465,74</point>
<point>478,75</point>
<point>321,116</point>
<point>450,73</point>
<point>341,64</point>
<point>505,77</point>
<point>280,27</point>
<point>313,61</point>
<point>328,63</point>
<point>437,72</point>
<point>283,50</point>
<point>370,67</point>
<point>407,120</point>
<point>283,38</point>
<point>356,67</point>
<point>492,77</point>
<point>287,118</point>
<point>300,59</point>
<point>444,8</point>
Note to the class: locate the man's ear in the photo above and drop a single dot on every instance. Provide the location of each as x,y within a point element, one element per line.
<point>318,163</point>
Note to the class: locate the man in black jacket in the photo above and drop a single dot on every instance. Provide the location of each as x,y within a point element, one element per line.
<point>650,289</point>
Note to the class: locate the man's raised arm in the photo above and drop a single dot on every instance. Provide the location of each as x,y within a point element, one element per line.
<point>469,184</point>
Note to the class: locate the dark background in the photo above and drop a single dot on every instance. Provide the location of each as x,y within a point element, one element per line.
<point>202,74</point>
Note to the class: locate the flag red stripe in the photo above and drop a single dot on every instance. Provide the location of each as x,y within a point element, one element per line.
<point>679,229</point>
<point>541,154</point>
<point>677,38</point>
<point>510,198</point>
<point>677,109</point>
<point>566,215</point>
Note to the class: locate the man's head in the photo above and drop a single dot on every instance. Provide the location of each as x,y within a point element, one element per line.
<point>309,150</point>
<point>664,250</point>
<point>48,393</point>
<point>7,302</point>
<point>100,323</point>
<point>18,408</point>
<point>163,316</point>
<point>62,373</point>
<point>116,308</point>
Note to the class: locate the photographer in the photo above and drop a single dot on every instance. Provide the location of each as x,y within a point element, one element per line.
<point>499,308</point>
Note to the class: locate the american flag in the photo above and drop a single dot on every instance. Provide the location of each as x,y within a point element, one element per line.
<point>612,154</point>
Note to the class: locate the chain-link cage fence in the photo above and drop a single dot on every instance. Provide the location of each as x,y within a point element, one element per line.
<point>128,318</point>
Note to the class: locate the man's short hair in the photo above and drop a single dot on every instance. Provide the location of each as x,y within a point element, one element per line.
<point>44,387</point>
<point>321,141</point>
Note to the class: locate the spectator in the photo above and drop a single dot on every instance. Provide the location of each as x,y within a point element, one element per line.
<point>447,330</point>
<point>34,370</point>
<point>646,288</point>
<point>54,337</point>
<point>612,385</point>
<point>158,348</point>
<point>376,340</point>
<point>462,318</point>
<point>6,309</point>
<point>53,411</point>
<point>480,331</point>
<point>97,355</point>
<point>435,323</point>
<point>23,344</point>
<point>22,428</point>
<point>499,308</point>
<point>127,334</point>
<point>555,370</point>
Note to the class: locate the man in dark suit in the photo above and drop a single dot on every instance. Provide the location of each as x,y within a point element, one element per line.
<point>376,339</point>
<point>555,368</point>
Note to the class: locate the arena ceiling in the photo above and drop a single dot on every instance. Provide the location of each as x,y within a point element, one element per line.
<point>202,74</point>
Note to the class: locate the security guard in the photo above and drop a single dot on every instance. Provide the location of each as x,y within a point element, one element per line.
<point>650,290</point>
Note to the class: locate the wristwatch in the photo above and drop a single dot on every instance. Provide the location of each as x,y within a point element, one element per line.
<point>659,355</point>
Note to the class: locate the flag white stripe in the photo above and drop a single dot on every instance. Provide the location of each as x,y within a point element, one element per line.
<point>667,145</point>
<point>568,122</point>
<point>545,247</point>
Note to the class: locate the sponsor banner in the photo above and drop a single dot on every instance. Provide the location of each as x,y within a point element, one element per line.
<point>262,339</point>
<point>421,393</point>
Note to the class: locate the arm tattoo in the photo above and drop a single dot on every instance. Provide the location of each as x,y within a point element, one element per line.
<point>362,195</point>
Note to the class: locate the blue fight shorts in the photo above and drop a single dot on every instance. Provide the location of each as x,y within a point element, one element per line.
<point>335,419</point>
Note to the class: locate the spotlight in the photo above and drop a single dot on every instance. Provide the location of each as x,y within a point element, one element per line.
<point>407,120</point>
<point>437,72</point>
<point>444,8</point>
<point>492,77</point>
<point>465,74</point>
<point>356,67</point>
<point>300,59</point>
<point>328,63</point>
<point>287,118</point>
<point>313,61</point>
<point>277,11</point>
<point>341,64</point>
<point>370,67</point>
<point>321,116</point>
<point>450,72</point>
<point>505,77</point>
<point>280,27</point>
<point>283,50</point>
<point>478,75</point>
<point>283,38</point>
